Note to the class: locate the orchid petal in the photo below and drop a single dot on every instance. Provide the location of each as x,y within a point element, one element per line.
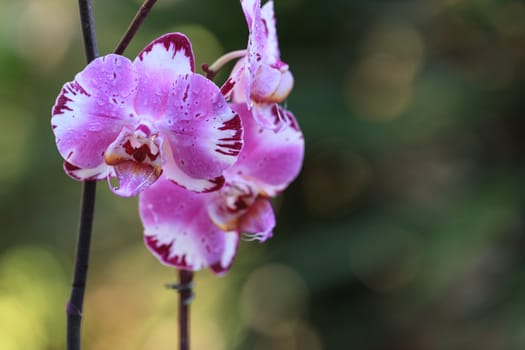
<point>158,65</point>
<point>256,41</point>
<point>134,178</point>
<point>179,232</point>
<point>265,83</point>
<point>99,173</point>
<point>249,8</point>
<point>259,221</point>
<point>270,159</point>
<point>91,110</point>
<point>236,83</point>
<point>203,133</point>
<point>284,88</point>
<point>271,46</point>
<point>238,207</point>
<point>230,203</point>
<point>266,79</point>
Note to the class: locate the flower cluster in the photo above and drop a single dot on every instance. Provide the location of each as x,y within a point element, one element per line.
<point>204,160</point>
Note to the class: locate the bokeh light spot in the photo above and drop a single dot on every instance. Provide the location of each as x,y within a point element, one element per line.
<point>332,180</point>
<point>44,32</point>
<point>273,300</point>
<point>32,287</point>
<point>380,85</point>
<point>300,337</point>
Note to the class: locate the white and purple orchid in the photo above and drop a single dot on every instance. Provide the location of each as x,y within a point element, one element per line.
<point>192,231</point>
<point>205,169</point>
<point>134,121</point>
<point>260,78</point>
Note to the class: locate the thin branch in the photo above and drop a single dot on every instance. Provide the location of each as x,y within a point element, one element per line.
<point>88,29</point>
<point>75,303</point>
<point>76,300</point>
<point>142,13</point>
<point>185,298</point>
<point>185,289</point>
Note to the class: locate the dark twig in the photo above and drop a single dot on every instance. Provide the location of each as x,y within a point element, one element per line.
<point>88,29</point>
<point>142,13</point>
<point>185,296</point>
<point>185,289</point>
<point>76,300</point>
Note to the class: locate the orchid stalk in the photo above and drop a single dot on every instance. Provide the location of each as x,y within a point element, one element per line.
<point>185,298</point>
<point>76,299</point>
<point>75,303</point>
<point>134,26</point>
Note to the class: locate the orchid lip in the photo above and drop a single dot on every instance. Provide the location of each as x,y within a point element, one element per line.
<point>231,203</point>
<point>141,146</point>
<point>238,197</point>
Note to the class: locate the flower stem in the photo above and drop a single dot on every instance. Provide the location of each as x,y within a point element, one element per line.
<point>74,305</point>
<point>88,29</point>
<point>134,26</point>
<point>185,297</point>
<point>76,299</point>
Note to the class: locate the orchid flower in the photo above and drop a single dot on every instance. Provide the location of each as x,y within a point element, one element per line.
<point>259,78</point>
<point>134,121</point>
<point>192,231</point>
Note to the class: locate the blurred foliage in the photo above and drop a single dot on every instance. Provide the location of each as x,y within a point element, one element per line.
<point>404,230</point>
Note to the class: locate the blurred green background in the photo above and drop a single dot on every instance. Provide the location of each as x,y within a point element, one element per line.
<point>404,231</point>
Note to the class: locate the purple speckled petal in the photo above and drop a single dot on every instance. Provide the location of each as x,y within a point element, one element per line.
<point>284,88</point>
<point>230,203</point>
<point>271,47</point>
<point>259,221</point>
<point>99,173</point>
<point>136,159</point>
<point>203,133</point>
<point>179,232</point>
<point>158,66</point>
<point>249,7</point>
<point>266,79</point>
<point>235,86</point>
<point>270,159</point>
<point>265,83</point>
<point>133,178</point>
<point>238,207</point>
<point>256,40</point>
<point>91,110</point>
